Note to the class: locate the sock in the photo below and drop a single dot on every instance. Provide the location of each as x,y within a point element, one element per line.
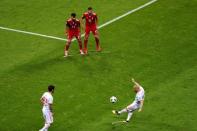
<point>122,111</point>
<point>129,116</point>
<point>67,46</point>
<point>45,128</point>
<point>97,43</point>
<point>65,52</point>
<point>80,45</point>
<point>85,44</point>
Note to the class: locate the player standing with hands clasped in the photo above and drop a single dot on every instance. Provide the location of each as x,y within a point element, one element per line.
<point>91,21</point>
<point>137,103</point>
<point>73,30</point>
<point>47,101</point>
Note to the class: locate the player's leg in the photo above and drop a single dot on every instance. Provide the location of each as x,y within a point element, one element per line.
<point>96,36</point>
<point>70,36</point>
<point>87,33</point>
<point>46,118</point>
<point>130,109</point>
<point>48,121</point>
<point>130,113</point>
<point>119,112</point>
<point>78,37</point>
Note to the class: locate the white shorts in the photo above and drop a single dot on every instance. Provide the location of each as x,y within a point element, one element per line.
<point>47,116</point>
<point>133,107</point>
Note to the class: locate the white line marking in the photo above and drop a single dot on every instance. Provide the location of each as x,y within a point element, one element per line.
<point>128,13</point>
<point>118,122</point>
<point>32,33</point>
<point>101,26</point>
<point>90,52</point>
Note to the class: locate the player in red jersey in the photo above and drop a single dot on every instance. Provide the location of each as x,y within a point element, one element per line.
<point>91,26</point>
<point>73,30</point>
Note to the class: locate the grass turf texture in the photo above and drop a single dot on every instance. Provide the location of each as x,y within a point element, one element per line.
<point>156,45</point>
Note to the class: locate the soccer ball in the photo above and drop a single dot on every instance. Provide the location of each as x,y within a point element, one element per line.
<point>113,99</point>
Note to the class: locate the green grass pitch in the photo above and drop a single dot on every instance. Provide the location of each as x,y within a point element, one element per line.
<point>156,45</point>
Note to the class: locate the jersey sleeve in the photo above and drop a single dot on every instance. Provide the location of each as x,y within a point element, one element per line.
<point>50,100</point>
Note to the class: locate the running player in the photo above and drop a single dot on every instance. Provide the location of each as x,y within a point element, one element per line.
<point>73,30</point>
<point>137,103</point>
<point>47,101</point>
<point>91,26</point>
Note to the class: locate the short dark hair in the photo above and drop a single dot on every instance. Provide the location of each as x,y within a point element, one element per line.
<point>73,15</point>
<point>51,88</point>
<point>89,8</point>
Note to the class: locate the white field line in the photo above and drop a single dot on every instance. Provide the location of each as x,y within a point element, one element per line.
<point>101,26</point>
<point>32,33</point>
<point>128,13</point>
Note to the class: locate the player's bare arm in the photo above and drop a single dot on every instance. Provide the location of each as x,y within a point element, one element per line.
<point>66,30</point>
<point>51,109</point>
<point>137,84</point>
<point>141,105</point>
<point>42,100</point>
<point>82,23</point>
<point>96,21</point>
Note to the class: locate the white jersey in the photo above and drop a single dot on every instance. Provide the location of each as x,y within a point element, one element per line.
<point>47,100</point>
<point>139,96</point>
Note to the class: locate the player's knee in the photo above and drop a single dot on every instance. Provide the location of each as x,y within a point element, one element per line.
<point>79,39</point>
<point>69,42</point>
<point>96,36</point>
<point>86,38</point>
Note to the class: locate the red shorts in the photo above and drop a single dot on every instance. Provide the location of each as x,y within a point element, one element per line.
<point>93,29</point>
<point>72,34</point>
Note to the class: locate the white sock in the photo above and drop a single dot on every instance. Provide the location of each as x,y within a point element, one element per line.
<point>129,116</point>
<point>46,126</point>
<point>65,53</point>
<point>81,51</point>
<point>122,111</point>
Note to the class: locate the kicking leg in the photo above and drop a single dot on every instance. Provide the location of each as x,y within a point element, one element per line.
<point>120,112</point>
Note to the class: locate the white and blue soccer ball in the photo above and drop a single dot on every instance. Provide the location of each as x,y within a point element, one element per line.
<point>113,99</point>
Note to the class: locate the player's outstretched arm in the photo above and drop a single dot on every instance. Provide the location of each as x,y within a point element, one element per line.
<point>133,80</point>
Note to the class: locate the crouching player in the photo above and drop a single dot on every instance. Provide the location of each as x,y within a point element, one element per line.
<point>137,103</point>
<point>73,30</point>
<point>47,101</point>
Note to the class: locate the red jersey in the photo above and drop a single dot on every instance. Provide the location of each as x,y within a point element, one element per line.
<point>90,18</point>
<point>73,24</point>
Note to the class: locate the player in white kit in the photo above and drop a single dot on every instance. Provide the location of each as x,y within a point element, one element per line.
<point>137,103</point>
<point>47,101</point>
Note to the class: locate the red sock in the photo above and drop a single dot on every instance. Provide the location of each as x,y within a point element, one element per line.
<point>80,45</point>
<point>85,44</point>
<point>97,43</point>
